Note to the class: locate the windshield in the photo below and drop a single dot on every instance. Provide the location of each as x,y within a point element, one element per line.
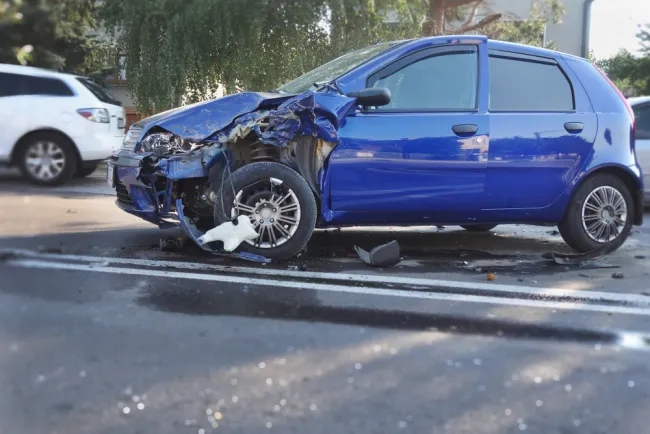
<point>99,93</point>
<point>335,68</point>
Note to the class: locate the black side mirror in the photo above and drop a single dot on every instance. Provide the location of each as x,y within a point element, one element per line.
<point>372,96</point>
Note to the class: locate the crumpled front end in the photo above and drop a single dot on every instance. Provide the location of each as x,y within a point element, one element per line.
<point>177,158</point>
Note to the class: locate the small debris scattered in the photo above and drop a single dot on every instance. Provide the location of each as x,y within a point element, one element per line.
<point>639,256</point>
<point>171,244</point>
<point>491,276</point>
<point>299,267</point>
<point>385,255</point>
<point>618,275</point>
<point>43,249</point>
<point>71,211</point>
<point>575,258</point>
<point>554,232</point>
<point>584,275</point>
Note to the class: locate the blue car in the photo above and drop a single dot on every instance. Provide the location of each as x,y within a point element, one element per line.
<point>456,130</point>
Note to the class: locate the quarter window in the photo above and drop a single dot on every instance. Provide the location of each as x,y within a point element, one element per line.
<point>441,82</point>
<point>528,86</point>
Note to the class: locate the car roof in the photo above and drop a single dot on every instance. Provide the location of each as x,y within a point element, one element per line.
<point>35,72</point>
<point>638,100</point>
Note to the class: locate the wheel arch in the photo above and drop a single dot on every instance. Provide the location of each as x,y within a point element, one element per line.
<point>626,175</point>
<point>21,142</point>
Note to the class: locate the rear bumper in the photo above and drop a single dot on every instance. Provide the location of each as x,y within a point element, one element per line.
<point>98,146</point>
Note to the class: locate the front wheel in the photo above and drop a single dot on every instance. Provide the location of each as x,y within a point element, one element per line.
<point>600,214</point>
<point>279,203</point>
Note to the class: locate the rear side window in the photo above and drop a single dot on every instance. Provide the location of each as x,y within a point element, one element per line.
<point>18,84</point>
<point>99,93</point>
<point>642,115</point>
<point>523,85</point>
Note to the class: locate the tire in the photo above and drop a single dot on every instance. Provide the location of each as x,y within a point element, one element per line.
<point>478,228</point>
<point>83,172</point>
<point>258,175</point>
<point>571,227</point>
<point>46,147</point>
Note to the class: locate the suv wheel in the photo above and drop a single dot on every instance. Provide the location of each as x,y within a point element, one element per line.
<point>600,214</point>
<point>279,203</point>
<point>46,159</point>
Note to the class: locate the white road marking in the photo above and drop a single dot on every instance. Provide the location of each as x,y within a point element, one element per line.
<point>595,296</point>
<point>484,299</point>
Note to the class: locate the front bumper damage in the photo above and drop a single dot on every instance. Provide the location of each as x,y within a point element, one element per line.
<point>146,182</point>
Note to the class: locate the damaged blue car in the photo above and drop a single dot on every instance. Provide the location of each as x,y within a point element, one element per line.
<point>444,130</point>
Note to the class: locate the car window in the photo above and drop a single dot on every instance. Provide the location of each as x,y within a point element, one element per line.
<point>97,90</point>
<point>442,82</point>
<point>642,115</point>
<point>18,84</point>
<point>528,86</point>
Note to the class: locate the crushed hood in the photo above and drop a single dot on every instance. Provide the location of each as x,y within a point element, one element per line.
<point>197,122</point>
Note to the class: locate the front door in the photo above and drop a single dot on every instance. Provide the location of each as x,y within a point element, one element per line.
<point>422,156</point>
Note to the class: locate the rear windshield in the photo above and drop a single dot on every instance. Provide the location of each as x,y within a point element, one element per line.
<point>98,91</point>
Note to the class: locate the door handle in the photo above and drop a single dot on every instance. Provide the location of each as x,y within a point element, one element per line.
<point>574,127</point>
<point>464,129</point>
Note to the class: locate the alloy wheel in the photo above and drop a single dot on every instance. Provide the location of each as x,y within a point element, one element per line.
<point>604,214</point>
<point>45,160</point>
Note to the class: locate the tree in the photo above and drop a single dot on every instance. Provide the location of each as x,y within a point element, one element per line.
<point>631,74</point>
<point>644,39</point>
<point>50,34</point>
<point>178,50</point>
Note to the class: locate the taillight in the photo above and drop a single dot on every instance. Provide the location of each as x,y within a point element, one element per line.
<point>620,94</point>
<point>99,115</point>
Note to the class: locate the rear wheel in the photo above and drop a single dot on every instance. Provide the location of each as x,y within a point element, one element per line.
<point>478,228</point>
<point>279,203</point>
<point>46,159</point>
<point>600,214</point>
<point>83,172</point>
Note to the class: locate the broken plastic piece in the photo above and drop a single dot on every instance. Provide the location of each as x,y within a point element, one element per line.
<point>195,234</point>
<point>171,244</point>
<point>385,255</point>
<point>576,258</point>
<point>232,235</point>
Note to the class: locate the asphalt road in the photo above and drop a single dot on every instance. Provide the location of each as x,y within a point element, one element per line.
<point>102,332</point>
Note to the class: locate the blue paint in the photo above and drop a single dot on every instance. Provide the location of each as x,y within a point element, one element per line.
<point>409,168</point>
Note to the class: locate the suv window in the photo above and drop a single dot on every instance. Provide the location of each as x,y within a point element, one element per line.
<point>99,93</point>
<point>18,84</point>
<point>642,115</point>
<point>445,81</point>
<point>518,85</point>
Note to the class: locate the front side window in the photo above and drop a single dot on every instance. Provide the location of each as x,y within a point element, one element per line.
<point>446,81</point>
<point>12,84</point>
<point>518,85</point>
<point>642,115</point>
<point>18,84</point>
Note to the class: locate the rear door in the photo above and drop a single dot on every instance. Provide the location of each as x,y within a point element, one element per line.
<point>541,134</point>
<point>642,115</point>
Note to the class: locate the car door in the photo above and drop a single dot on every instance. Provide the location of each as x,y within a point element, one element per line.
<point>642,115</point>
<point>13,108</point>
<point>425,153</point>
<point>541,133</point>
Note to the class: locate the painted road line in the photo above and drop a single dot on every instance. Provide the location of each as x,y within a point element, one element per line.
<point>474,287</point>
<point>410,294</point>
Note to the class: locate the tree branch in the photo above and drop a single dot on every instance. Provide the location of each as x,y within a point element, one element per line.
<point>472,15</point>
<point>484,22</point>
<point>450,4</point>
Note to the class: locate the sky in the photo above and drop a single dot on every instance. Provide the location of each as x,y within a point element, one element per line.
<point>614,25</point>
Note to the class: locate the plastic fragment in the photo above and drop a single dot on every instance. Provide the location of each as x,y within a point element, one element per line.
<point>232,235</point>
<point>385,255</point>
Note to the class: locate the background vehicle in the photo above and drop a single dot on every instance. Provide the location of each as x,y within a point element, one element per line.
<point>56,126</point>
<point>447,130</point>
<point>641,107</point>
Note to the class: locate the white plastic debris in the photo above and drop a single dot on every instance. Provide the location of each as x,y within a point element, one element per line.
<point>232,235</point>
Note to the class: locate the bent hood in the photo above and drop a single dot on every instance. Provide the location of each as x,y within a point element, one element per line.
<point>197,122</point>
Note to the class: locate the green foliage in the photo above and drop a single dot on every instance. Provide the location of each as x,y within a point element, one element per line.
<point>531,30</point>
<point>630,73</point>
<point>50,34</point>
<point>180,50</point>
<point>644,39</point>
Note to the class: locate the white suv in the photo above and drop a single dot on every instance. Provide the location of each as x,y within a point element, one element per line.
<point>641,107</point>
<point>56,126</point>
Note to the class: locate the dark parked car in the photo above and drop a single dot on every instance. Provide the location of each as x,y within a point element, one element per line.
<point>445,130</point>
